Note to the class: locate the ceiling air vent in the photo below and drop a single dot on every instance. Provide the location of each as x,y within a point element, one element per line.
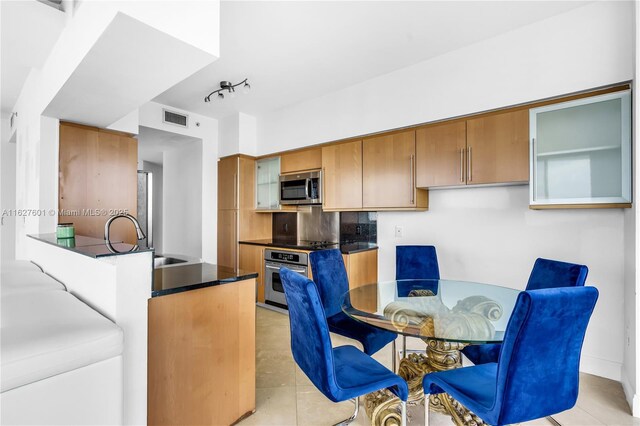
<point>175,118</point>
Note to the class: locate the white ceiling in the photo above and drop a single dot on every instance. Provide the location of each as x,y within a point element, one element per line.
<point>28,31</point>
<point>299,50</point>
<point>152,143</point>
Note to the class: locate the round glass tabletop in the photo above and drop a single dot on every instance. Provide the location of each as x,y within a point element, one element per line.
<point>448,310</point>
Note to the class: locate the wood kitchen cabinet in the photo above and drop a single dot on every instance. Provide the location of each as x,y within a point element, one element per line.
<point>490,149</point>
<point>440,154</point>
<point>227,238</point>
<point>252,260</point>
<point>342,176</point>
<point>498,148</point>
<point>362,268</point>
<point>98,170</point>
<point>237,218</point>
<point>228,183</point>
<point>304,159</point>
<point>201,366</point>
<point>388,173</point>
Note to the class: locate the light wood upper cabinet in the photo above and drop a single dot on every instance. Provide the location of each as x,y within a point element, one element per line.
<point>98,170</point>
<point>306,159</point>
<point>342,176</point>
<point>440,155</point>
<point>388,172</point>
<point>228,183</point>
<point>498,148</point>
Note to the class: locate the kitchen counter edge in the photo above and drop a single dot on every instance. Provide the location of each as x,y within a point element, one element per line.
<point>173,280</point>
<point>348,248</point>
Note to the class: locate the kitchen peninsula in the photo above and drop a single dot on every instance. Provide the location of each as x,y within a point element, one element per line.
<point>117,285</point>
<point>201,345</point>
<point>188,328</point>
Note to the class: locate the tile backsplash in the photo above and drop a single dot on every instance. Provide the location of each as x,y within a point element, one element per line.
<point>359,227</point>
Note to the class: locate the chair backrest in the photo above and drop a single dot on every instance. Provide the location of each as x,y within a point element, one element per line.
<point>538,367</point>
<point>552,273</point>
<point>331,278</point>
<point>310,341</point>
<point>416,262</point>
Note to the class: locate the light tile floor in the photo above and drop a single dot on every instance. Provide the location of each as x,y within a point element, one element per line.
<point>285,396</point>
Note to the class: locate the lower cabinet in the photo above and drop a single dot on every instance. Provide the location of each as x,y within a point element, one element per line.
<point>227,237</point>
<point>201,367</point>
<point>252,260</point>
<point>362,267</point>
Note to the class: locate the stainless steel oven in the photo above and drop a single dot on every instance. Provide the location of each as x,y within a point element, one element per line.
<point>301,188</point>
<point>273,261</point>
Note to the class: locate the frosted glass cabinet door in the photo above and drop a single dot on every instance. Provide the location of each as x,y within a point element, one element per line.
<point>581,151</point>
<point>267,176</point>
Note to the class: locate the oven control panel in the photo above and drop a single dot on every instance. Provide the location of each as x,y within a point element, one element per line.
<point>297,258</point>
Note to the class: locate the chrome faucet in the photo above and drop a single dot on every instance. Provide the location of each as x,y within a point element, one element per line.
<point>140,234</point>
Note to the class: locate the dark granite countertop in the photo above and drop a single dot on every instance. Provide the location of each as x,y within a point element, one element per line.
<point>346,248</point>
<point>179,278</point>
<point>89,246</point>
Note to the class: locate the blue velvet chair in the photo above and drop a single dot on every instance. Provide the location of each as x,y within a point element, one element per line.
<point>545,274</point>
<point>537,371</point>
<point>340,373</point>
<point>331,278</point>
<point>415,263</point>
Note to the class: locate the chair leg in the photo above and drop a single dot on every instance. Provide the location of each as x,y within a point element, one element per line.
<point>345,422</point>
<point>404,346</point>
<point>426,409</point>
<point>553,421</point>
<point>403,413</point>
<point>393,356</point>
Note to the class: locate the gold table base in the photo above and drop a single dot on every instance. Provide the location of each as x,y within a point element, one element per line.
<point>383,408</point>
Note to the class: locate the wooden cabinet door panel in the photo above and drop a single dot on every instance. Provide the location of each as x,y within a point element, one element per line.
<point>228,183</point>
<point>362,269</point>
<point>251,259</point>
<point>97,173</point>
<point>498,148</point>
<point>388,171</point>
<point>227,238</point>
<point>342,176</point>
<point>307,159</point>
<point>440,155</point>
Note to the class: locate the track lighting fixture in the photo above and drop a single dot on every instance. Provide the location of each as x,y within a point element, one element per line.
<point>230,88</point>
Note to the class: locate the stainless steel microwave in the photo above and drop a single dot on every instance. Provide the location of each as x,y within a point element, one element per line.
<point>301,188</point>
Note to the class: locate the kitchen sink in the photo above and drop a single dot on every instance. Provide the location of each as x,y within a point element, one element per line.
<point>160,261</point>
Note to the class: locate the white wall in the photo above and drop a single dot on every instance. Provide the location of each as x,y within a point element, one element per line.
<point>84,27</point>
<point>238,134</point>
<point>49,166</point>
<point>157,203</point>
<point>489,234</point>
<point>630,372</point>
<point>8,188</point>
<point>206,129</point>
<point>182,210</point>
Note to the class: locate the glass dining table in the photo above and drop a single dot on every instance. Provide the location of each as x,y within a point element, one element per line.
<point>447,315</point>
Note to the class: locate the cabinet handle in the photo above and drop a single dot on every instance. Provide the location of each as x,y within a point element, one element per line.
<point>322,193</point>
<point>462,165</point>
<point>533,164</point>
<point>235,190</point>
<point>412,189</point>
<point>469,164</point>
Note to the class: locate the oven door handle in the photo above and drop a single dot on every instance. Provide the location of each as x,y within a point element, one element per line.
<point>276,267</point>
